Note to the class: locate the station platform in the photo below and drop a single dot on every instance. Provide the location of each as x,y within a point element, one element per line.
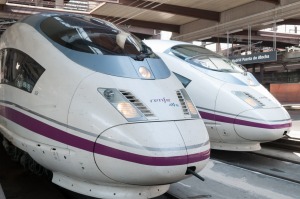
<point>281,154</point>
<point>295,115</point>
<point>294,134</point>
<point>223,181</point>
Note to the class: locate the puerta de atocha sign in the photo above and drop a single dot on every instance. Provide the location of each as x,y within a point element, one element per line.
<point>255,58</point>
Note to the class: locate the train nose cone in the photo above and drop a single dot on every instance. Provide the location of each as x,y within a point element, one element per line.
<point>148,153</point>
<point>263,124</point>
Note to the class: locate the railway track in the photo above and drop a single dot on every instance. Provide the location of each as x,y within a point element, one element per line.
<point>270,165</point>
<point>264,175</point>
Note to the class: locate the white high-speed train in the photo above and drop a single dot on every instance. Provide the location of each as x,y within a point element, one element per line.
<point>239,113</point>
<point>97,108</point>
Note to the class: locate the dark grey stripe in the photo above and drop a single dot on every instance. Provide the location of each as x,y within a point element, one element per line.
<point>152,148</point>
<point>209,122</point>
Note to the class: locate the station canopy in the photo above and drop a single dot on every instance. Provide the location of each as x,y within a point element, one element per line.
<point>188,20</point>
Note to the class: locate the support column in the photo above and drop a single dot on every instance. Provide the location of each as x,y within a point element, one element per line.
<point>261,75</point>
<point>218,47</point>
<point>249,40</point>
<point>274,35</point>
<point>253,69</point>
<point>59,4</point>
<point>227,51</point>
<point>38,2</point>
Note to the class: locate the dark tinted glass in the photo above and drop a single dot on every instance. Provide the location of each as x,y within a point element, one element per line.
<point>204,58</point>
<point>19,70</point>
<point>188,51</point>
<point>185,81</point>
<point>91,35</point>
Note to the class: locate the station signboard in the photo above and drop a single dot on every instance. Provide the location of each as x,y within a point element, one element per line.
<point>255,58</point>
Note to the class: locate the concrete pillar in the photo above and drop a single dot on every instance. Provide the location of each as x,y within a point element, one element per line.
<point>59,4</point>
<point>38,2</point>
<point>253,69</point>
<point>261,75</point>
<point>218,47</point>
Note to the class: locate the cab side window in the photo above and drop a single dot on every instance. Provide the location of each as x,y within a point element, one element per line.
<point>185,81</point>
<point>19,70</point>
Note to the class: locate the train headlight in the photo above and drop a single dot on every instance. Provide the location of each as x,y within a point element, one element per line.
<point>250,82</point>
<point>127,110</point>
<point>144,72</point>
<point>249,99</point>
<point>191,107</point>
<point>122,104</point>
<point>189,104</point>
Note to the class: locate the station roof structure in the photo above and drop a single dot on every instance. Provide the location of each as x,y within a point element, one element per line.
<point>189,20</point>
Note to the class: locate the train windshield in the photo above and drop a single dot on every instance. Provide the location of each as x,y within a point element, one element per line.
<point>205,58</point>
<point>95,36</point>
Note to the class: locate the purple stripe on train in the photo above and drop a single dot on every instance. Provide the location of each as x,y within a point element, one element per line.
<point>220,118</point>
<point>53,133</point>
<point>153,161</point>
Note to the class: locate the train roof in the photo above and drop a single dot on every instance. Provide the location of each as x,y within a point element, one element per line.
<point>89,41</point>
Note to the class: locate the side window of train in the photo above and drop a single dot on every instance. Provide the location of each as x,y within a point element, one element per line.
<point>1,65</point>
<point>19,70</point>
<point>185,81</point>
<point>5,71</point>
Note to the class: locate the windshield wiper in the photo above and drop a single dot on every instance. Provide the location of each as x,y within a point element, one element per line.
<point>139,57</point>
<point>243,68</point>
<point>146,52</point>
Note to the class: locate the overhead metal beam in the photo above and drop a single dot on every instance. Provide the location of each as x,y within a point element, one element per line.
<point>255,20</point>
<point>266,42</point>
<point>143,24</point>
<point>289,22</point>
<point>173,9</point>
<point>242,39</point>
<point>271,1</point>
<point>19,12</point>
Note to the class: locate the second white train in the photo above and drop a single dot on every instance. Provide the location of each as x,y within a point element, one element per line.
<point>238,111</point>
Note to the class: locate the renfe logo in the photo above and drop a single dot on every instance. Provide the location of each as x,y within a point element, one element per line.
<point>164,100</point>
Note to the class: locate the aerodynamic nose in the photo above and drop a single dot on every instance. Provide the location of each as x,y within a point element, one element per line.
<point>263,124</point>
<point>152,153</point>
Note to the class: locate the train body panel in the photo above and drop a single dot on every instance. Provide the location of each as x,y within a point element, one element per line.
<point>200,87</point>
<point>51,101</point>
<point>238,112</point>
<point>238,122</point>
<point>106,190</point>
<point>171,160</point>
<point>97,108</point>
<point>272,124</point>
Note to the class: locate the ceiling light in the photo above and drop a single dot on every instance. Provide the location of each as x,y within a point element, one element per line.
<point>271,22</point>
<point>205,38</point>
<point>234,31</point>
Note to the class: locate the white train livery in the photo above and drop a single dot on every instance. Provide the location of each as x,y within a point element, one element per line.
<point>239,113</point>
<point>96,107</point>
